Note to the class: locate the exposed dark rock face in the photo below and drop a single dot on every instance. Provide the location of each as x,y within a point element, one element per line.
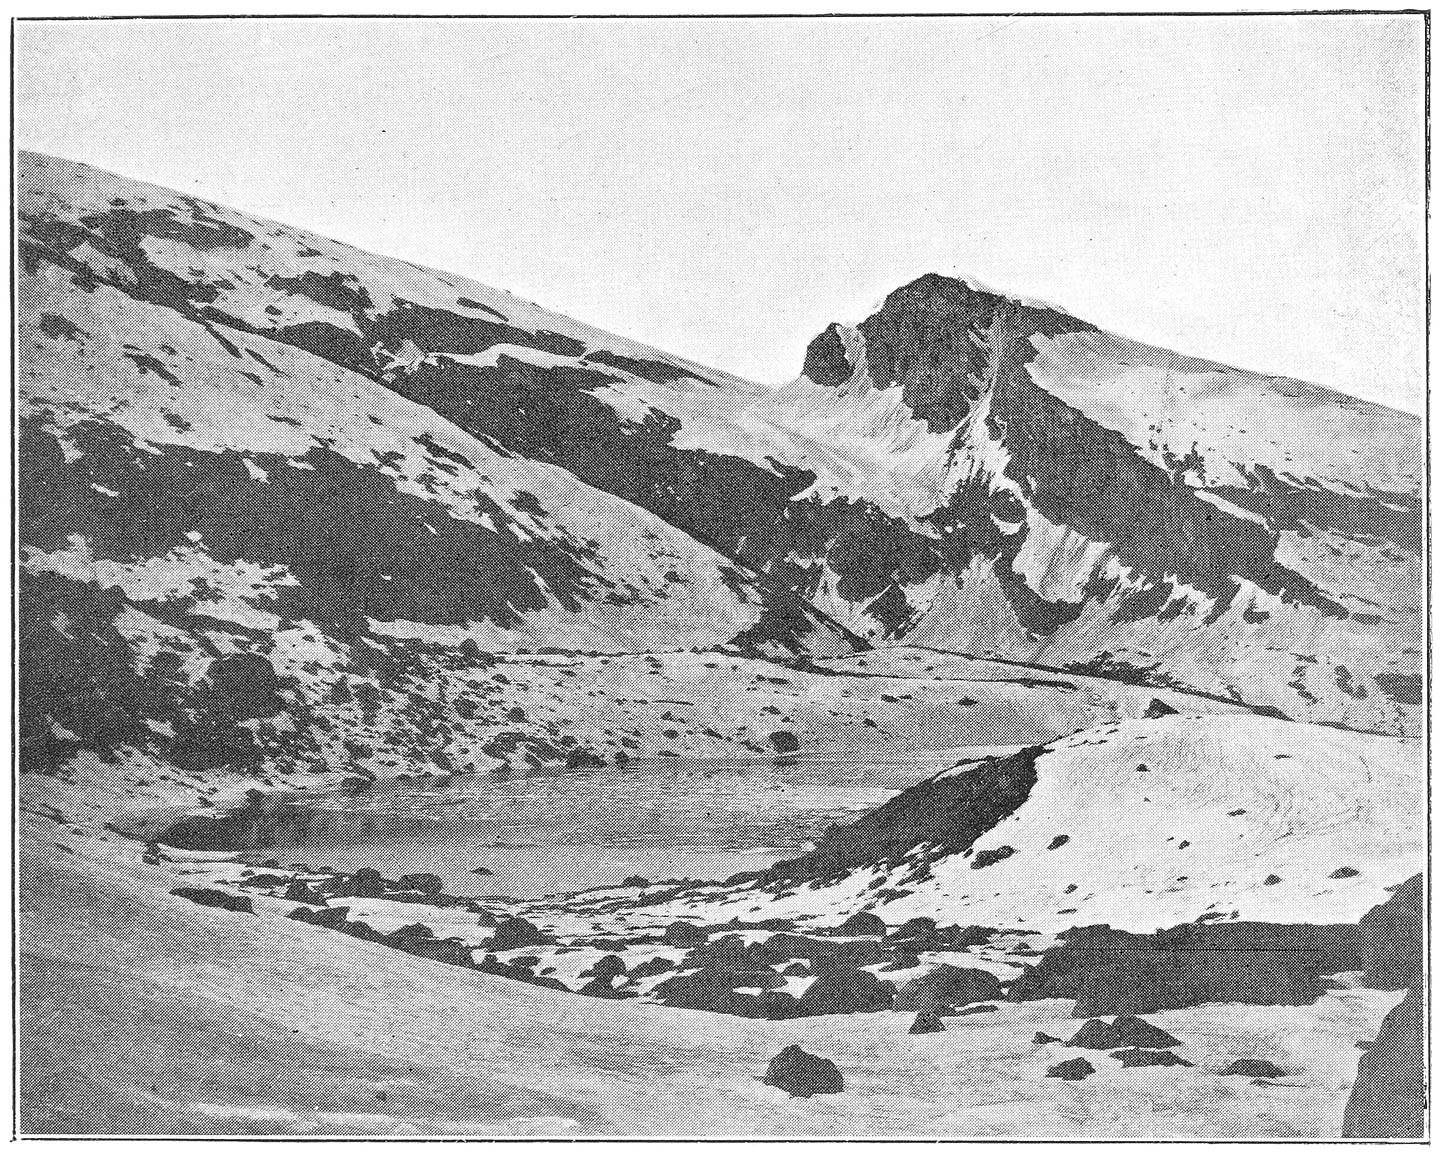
<point>1125,1032</point>
<point>947,815</point>
<point>852,952</point>
<point>1159,708</point>
<point>925,1023</point>
<point>801,1074</point>
<point>1392,944</point>
<point>1388,1101</point>
<point>1253,1067</point>
<point>1076,1069</point>
<point>1108,972</point>
<point>214,898</point>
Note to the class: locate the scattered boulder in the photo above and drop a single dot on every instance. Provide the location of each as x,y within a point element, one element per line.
<point>785,742</point>
<point>650,967</point>
<point>854,952</point>
<point>426,883</point>
<point>1045,1038</point>
<point>515,933</point>
<point>799,968</point>
<point>926,1022</point>
<point>481,871</point>
<point>607,967</point>
<point>947,986</point>
<point>335,917</point>
<point>799,1073</point>
<point>1076,1069</point>
<point>1257,1069</point>
<point>683,934</point>
<point>1125,1032</point>
<point>1159,708</point>
<point>214,898</point>
<point>902,962</point>
<point>367,882</point>
<point>301,893</point>
<point>989,856</point>
<point>863,924</point>
<point>1150,1058</point>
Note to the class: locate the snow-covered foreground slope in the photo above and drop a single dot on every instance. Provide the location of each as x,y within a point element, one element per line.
<point>142,1013</point>
<point>960,470</point>
<point>1142,825</point>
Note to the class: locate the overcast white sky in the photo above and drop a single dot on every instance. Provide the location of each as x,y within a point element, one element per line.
<point>1249,189</point>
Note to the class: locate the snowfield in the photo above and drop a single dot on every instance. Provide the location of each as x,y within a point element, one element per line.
<point>1146,824</point>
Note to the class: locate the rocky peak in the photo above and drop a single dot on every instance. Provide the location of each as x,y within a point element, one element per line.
<point>941,340</point>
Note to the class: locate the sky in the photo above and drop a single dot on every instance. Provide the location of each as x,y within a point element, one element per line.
<point>1244,189</point>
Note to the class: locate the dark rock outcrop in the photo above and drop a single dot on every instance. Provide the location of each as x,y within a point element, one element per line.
<point>1388,1101</point>
<point>683,934</point>
<point>947,814</point>
<point>799,1073</point>
<point>1392,939</point>
<point>925,1023</point>
<point>1107,972</point>
<point>215,898</point>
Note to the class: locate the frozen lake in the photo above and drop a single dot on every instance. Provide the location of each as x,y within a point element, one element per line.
<point>546,831</point>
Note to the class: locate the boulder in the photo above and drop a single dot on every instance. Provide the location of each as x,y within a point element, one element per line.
<point>683,934</point>
<point>1258,1069</point>
<point>426,883</point>
<point>1045,1038</point>
<point>215,898</point>
<point>799,968</point>
<point>650,967</point>
<point>1159,708</point>
<point>926,1022</point>
<point>335,917</point>
<point>1125,1032</point>
<point>516,933</point>
<point>854,953</point>
<point>607,967</point>
<point>1076,1069</point>
<point>947,986</point>
<point>846,990</point>
<point>862,924</point>
<point>1149,1058</point>
<point>784,742</point>
<point>366,882</point>
<point>799,1073</point>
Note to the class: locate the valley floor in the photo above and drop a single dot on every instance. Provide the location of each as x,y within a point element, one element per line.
<point>143,1013</point>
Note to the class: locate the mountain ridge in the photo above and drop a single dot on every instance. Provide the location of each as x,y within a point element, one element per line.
<point>989,495</point>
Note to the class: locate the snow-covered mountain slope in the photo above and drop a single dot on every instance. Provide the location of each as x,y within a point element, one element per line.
<point>961,470</point>
<point>1142,824</point>
<point>1103,502</point>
